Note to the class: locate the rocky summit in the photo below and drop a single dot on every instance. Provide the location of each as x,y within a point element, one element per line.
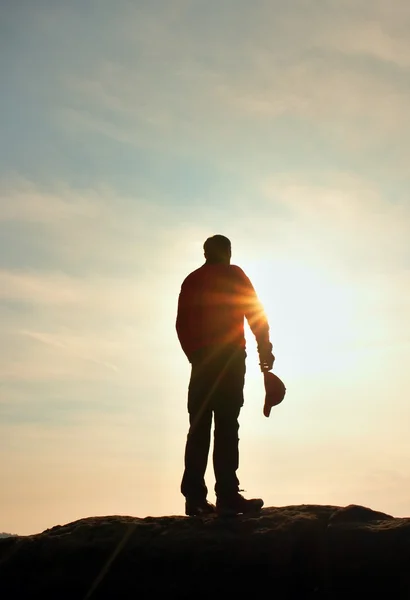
<point>287,552</point>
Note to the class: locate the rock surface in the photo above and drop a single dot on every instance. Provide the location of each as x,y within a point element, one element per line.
<point>288,552</point>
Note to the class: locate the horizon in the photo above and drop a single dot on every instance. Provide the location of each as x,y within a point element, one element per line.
<point>130,134</point>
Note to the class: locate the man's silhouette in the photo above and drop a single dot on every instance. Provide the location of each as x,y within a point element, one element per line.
<point>213,302</point>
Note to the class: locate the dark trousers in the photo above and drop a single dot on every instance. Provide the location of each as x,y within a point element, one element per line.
<point>215,390</point>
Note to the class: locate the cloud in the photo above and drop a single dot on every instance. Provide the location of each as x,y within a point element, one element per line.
<point>170,90</point>
<point>231,99</point>
<point>64,327</point>
<point>91,231</point>
<point>115,306</point>
<point>370,38</point>
<point>61,290</point>
<point>76,345</point>
<point>102,302</point>
<point>346,213</point>
<point>329,259</point>
<point>22,201</point>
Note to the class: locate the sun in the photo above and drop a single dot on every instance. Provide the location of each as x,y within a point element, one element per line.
<point>311,312</point>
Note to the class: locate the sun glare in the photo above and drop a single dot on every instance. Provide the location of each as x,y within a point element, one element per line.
<point>311,314</point>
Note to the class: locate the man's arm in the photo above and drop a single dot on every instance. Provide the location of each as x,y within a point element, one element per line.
<point>185,318</point>
<point>258,323</point>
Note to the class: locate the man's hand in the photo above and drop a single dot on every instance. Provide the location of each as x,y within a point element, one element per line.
<point>266,358</point>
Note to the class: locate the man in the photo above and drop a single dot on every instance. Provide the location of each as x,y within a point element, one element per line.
<point>213,302</point>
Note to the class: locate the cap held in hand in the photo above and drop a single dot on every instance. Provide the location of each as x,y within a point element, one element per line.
<point>275,391</point>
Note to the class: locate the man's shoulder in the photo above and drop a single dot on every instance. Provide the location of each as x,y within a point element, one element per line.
<point>206,272</point>
<point>239,274</point>
<point>237,270</point>
<point>193,276</point>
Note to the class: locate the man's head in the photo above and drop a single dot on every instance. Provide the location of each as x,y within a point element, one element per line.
<point>217,249</point>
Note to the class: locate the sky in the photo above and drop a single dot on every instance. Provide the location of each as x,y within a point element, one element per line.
<point>132,131</point>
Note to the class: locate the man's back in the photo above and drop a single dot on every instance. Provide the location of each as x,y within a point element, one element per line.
<point>213,302</point>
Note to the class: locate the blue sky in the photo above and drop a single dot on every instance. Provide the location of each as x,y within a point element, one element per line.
<point>130,133</point>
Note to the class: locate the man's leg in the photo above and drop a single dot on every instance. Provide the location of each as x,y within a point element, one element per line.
<point>226,451</point>
<point>227,407</point>
<point>197,446</point>
<point>196,456</point>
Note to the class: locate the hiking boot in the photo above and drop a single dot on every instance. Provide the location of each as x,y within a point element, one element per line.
<point>201,508</point>
<point>237,504</point>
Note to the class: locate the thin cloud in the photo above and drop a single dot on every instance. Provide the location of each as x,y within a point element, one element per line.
<point>85,229</point>
<point>370,39</point>
<point>77,346</point>
<point>201,104</point>
<point>47,289</point>
<point>347,214</point>
<point>23,202</point>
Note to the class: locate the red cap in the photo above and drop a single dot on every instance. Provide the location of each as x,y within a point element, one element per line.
<point>275,391</point>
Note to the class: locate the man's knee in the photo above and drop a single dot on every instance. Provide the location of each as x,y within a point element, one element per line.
<point>226,424</point>
<point>200,424</point>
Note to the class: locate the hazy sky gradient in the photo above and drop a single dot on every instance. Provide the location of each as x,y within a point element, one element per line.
<point>132,131</point>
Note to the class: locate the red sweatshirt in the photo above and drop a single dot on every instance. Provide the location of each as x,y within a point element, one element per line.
<point>212,305</point>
